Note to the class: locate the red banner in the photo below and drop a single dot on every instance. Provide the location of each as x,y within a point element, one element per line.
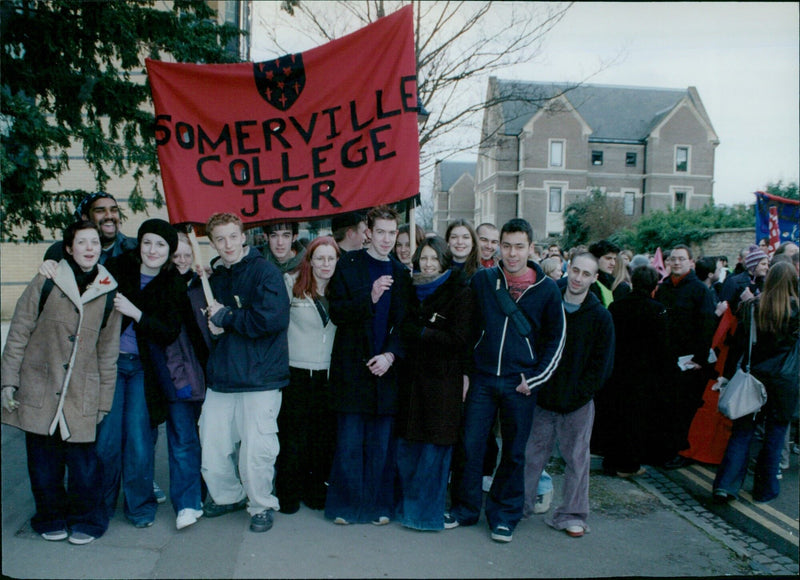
<point>303,136</point>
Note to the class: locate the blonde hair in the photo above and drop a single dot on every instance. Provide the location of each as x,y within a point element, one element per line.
<point>620,273</point>
<point>550,265</point>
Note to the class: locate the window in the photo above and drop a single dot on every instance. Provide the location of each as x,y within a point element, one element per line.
<point>681,159</point>
<point>628,200</point>
<point>597,157</point>
<point>630,159</point>
<point>556,154</point>
<point>680,199</point>
<point>555,200</point>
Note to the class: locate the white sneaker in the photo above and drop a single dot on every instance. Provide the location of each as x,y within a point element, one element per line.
<point>487,483</point>
<point>187,517</point>
<point>543,502</point>
<point>55,536</point>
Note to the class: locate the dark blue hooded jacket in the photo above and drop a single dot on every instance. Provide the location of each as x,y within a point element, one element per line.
<point>501,350</point>
<point>253,352</point>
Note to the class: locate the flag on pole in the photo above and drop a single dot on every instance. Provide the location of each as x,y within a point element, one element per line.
<point>777,219</point>
<point>302,136</point>
<point>657,261</point>
<point>774,231</point>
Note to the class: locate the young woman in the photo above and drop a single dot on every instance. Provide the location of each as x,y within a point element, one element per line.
<point>402,249</point>
<point>621,273</point>
<point>184,386</point>
<point>150,298</point>
<point>58,377</point>
<point>306,423</point>
<point>552,268</point>
<point>775,315</point>
<point>462,242</point>
<point>437,333</point>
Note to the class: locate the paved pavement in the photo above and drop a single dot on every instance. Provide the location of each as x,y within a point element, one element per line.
<point>649,527</point>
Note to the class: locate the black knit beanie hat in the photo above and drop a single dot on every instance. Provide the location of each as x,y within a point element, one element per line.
<point>160,228</point>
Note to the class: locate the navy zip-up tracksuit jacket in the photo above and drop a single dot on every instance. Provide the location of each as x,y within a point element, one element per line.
<point>501,350</point>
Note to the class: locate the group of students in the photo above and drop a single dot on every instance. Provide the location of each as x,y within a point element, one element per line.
<point>351,374</point>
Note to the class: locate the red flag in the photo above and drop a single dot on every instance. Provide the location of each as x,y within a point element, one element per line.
<point>657,262</point>
<point>303,136</point>
<point>774,231</point>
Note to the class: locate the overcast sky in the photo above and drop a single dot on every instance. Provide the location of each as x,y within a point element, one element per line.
<point>742,57</point>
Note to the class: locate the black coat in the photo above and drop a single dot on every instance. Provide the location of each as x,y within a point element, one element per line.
<point>354,388</point>
<point>162,301</point>
<point>586,361</point>
<point>437,334</point>
<point>690,318</point>
<point>769,351</point>
<point>625,409</point>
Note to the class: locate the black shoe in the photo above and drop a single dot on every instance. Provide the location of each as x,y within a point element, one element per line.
<point>677,462</point>
<point>315,503</point>
<point>213,510</point>
<point>721,496</point>
<point>289,507</point>
<point>450,521</point>
<point>261,522</point>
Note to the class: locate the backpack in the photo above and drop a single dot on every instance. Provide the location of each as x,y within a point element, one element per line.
<point>48,287</point>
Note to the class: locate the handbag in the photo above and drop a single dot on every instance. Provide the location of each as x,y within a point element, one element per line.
<point>744,394</point>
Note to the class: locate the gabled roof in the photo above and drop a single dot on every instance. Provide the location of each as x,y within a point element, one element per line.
<point>450,171</point>
<point>615,113</point>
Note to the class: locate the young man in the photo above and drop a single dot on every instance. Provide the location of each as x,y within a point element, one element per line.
<point>522,324</point>
<point>488,242</point>
<point>349,231</point>
<point>247,366</point>
<point>564,408</point>
<point>282,249</point>
<point>368,295</point>
<point>102,209</point>
<point>606,253</point>
<point>690,328</point>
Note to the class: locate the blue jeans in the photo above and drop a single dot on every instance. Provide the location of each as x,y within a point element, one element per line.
<point>422,469</point>
<point>733,469</point>
<point>125,446</point>
<point>78,506</point>
<point>183,441</point>
<point>362,478</point>
<point>504,504</point>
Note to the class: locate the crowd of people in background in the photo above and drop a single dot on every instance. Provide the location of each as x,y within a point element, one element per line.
<point>383,373</point>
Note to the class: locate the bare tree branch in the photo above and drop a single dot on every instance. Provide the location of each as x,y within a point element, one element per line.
<point>458,46</point>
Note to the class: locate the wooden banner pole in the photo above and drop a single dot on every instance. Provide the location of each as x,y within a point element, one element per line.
<point>200,270</point>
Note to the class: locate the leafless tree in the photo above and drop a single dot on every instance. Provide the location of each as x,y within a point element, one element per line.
<point>458,46</point>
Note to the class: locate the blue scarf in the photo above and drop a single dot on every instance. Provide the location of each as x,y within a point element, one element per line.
<point>428,288</point>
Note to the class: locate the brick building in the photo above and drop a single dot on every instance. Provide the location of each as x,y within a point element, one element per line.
<point>546,145</point>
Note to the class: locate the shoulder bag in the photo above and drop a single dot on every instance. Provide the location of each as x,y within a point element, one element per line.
<point>744,394</point>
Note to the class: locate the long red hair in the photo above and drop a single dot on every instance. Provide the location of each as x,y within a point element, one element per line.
<point>306,284</point>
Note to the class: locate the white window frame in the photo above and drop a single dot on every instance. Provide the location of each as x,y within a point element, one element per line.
<point>688,159</point>
<point>548,185</point>
<point>563,143</point>
<point>625,193</point>
<point>675,189</point>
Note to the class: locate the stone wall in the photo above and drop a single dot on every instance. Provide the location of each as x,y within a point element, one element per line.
<point>727,242</point>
